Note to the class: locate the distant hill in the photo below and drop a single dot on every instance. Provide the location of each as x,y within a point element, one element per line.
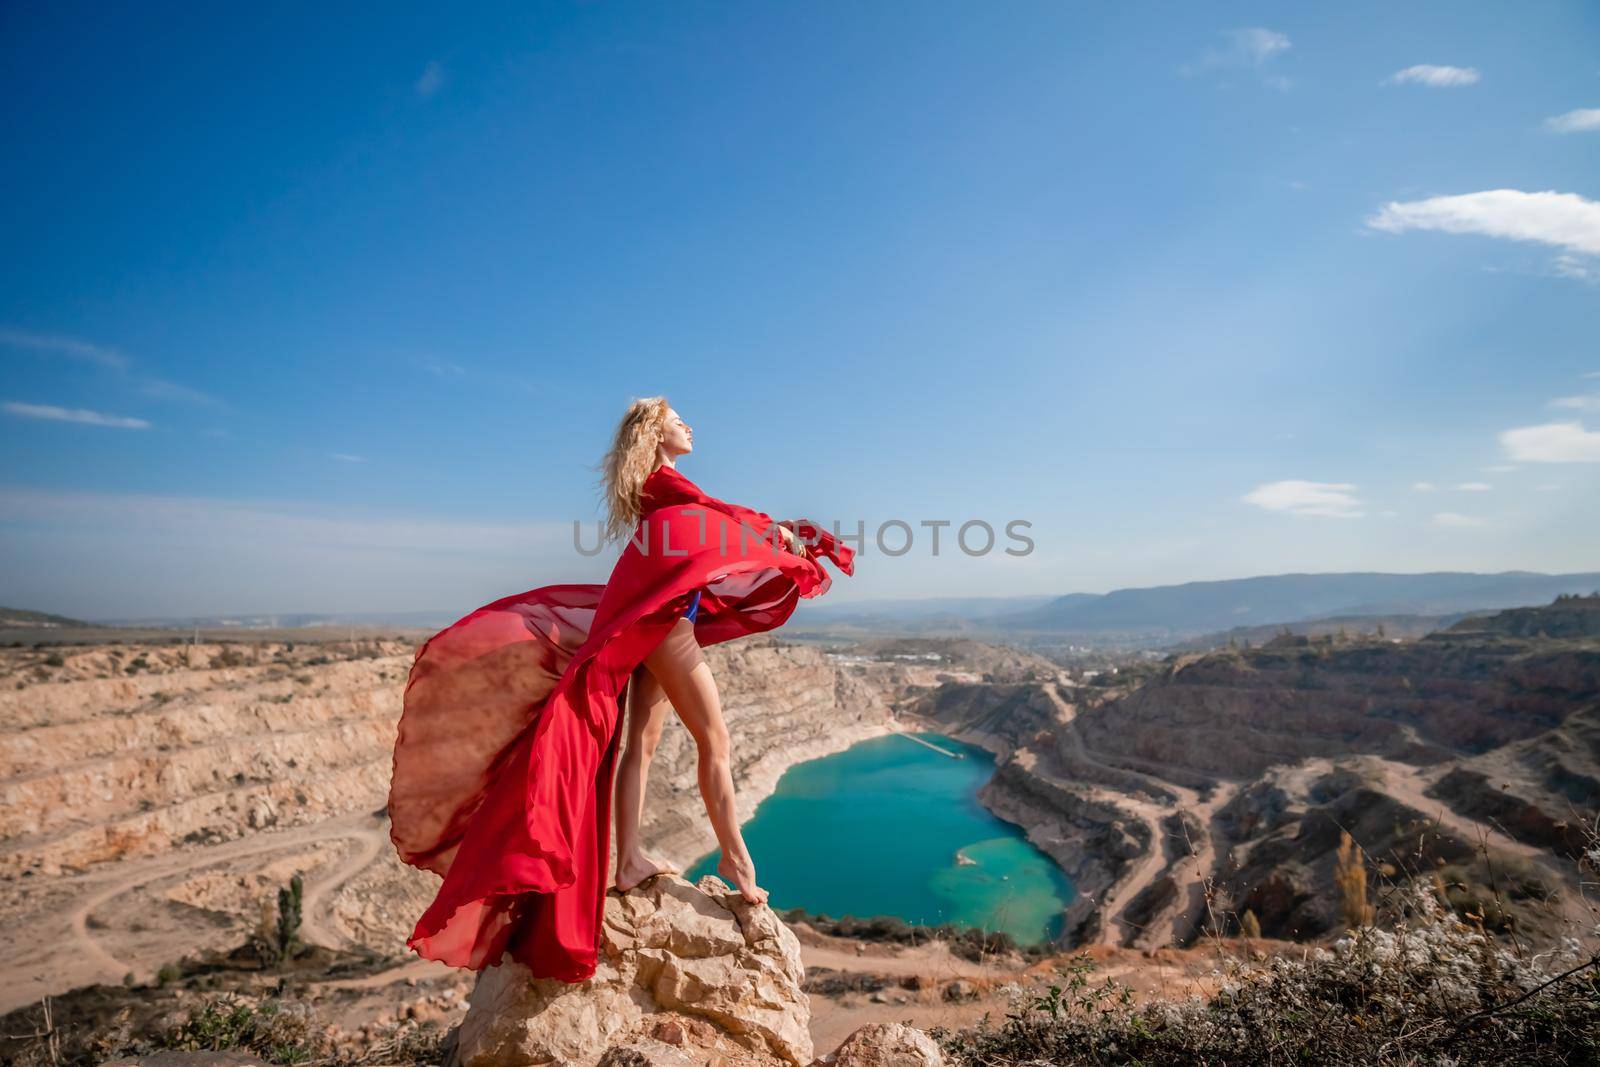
<point>22,619</point>
<point>1203,607</point>
<point>930,615</point>
<point>1567,617</point>
<point>1395,627</point>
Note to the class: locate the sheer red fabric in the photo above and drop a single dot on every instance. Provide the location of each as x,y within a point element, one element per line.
<point>508,737</point>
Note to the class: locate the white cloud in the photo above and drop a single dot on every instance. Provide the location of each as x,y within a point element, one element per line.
<point>431,80</point>
<point>1549,487</point>
<point>1500,468</point>
<point>1564,220</point>
<point>444,368</point>
<point>1474,487</point>
<point>1578,269</point>
<point>1332,499</point>
<point>1423,487</point>
<point>1580,120</point>
<point>1243,49</point>
<point>83,415</point>
<point>164,390</point>
<point>1588,402</point>
<point>103,356</point>
<point>66,346</point>
<point>1451,518</point>
<point>1553,442</point>
<point>1435,77</point>
<point>346,457</point>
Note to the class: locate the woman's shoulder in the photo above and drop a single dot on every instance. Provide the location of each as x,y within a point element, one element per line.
<point>667,485</point>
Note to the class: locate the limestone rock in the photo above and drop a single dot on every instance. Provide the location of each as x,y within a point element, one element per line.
<point>687,974</point>
<point>886,1045</point>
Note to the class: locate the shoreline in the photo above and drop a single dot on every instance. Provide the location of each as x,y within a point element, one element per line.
<point>770,768</point>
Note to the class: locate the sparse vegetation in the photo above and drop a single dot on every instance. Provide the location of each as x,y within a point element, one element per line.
<point>277,1031</point>
<point>1433,990</point>
<point>966,942</point>
<point>288,928</point>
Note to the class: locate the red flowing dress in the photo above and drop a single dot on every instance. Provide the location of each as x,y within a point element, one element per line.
<point>507,742</point>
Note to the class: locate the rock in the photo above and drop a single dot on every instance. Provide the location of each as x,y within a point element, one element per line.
<point>645,1052</point>
<point>687,974</point>
<point>960,989</point>
<point>886,1045</point>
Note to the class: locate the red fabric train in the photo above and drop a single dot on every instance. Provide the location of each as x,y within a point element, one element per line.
<point>508,739</point>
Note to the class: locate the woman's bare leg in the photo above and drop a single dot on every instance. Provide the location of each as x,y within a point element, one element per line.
<point>647,714</point>
<point>684,674</point>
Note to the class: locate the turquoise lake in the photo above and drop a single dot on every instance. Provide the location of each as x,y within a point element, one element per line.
<point>876,830</point>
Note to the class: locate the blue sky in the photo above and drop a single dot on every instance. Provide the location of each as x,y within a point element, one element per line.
<point>335,312</point>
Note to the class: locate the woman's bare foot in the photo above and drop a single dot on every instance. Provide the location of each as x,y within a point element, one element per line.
<point>631,870</point>
<point>743,878</point>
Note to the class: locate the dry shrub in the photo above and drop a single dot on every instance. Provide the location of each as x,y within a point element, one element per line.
<point>1350,874</point>
<point>1432,990</point>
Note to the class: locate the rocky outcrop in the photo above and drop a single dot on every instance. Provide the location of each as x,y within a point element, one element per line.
<point>693,967</point>
<point>1091,839</point>
<point>690,975</point>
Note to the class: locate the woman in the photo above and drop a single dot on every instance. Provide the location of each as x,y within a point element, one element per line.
<point>506,748</point>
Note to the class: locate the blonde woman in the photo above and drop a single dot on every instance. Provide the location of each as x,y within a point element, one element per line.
<point>506,754</point>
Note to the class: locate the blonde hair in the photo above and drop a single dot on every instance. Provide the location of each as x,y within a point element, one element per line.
<point>630,461</point>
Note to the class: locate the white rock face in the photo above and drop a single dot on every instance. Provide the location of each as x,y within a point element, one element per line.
<point>687,974</point>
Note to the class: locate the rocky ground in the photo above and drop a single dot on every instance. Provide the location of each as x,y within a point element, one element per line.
<point>158,795</point>
<point>1221,785</point>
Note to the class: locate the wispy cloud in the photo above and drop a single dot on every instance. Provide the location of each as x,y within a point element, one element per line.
<point>346,457</point>
<point>1435,77</point>
<point>1330,499</point>
<point>1579,120</point>
<point>1251,48</point>
<point>431,80</point>
<point>1474,487</point>
<point>159,389</point>
<point>1564,220</point>
<point>472,373</point>
<point>1500,468</point>
<point>71,347</point>
<point>1423,487</point>
<point>1570,266</point>
<point>1587,402</point>
<point>1548,487</point>
<point>443,368</point>
<point>52,413</point>
<point>1451,518</point>
<point>105,356</point>
<point>1553,442</point>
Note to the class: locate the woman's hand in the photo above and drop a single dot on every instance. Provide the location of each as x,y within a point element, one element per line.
<point>791,540</point>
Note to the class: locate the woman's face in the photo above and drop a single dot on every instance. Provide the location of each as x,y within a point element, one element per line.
<point>677,438</point>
